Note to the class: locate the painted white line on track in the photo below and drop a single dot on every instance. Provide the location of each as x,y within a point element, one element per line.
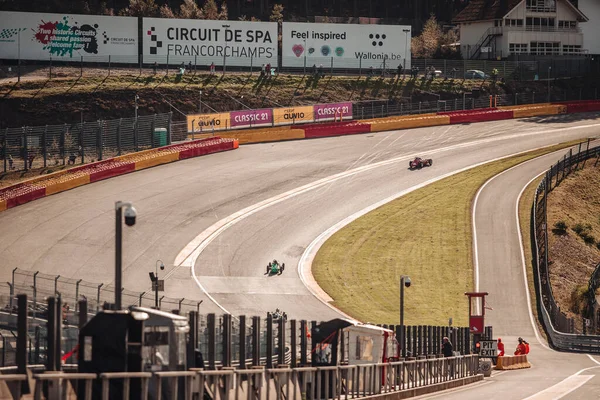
<point>564,387</point>
<point>191,252</point>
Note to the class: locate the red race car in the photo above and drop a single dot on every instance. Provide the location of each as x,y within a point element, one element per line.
<point>419,162</point>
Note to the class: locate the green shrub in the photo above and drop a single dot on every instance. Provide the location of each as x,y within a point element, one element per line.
<point>578,228</point>
<point>561,227</point>
<point>578,299</point>
<point>598,245</point>
<point>589,239</point>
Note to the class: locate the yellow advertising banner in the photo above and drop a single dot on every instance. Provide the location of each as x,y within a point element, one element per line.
<point>293,115</point>
<point>207,122</point>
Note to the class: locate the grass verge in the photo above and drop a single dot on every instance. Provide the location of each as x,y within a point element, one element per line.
<point>427,235</point>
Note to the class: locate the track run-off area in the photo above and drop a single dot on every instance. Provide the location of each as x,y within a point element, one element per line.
<point>216,221</point>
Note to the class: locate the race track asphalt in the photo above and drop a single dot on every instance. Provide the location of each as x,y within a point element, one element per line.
<point>72,233</point>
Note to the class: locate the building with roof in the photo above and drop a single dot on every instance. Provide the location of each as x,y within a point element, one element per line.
<point>491,29</point>
<point>591,30</point>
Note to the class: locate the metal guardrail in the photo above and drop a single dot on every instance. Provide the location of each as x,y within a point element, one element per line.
<point>335,382</point>
<point>559,329</point>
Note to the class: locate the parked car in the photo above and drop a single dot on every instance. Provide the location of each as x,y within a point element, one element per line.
<point>476,74</point>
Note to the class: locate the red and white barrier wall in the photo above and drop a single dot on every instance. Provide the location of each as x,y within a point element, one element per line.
<point>47,185</point>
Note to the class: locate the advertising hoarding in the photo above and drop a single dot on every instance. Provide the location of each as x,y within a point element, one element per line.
<point>293,115</point>
<point>333,112</point>
<point>345,45</point>
<point>40,36</point>
<point>246,118</point>
<point>203,42</point>
<point>207,122</point>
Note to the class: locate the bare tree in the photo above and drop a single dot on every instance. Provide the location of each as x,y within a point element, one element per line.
<point>433,42</point>
<point>190,10</point>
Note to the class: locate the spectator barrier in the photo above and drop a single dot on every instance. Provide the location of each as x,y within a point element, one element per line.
<point>36,188</point>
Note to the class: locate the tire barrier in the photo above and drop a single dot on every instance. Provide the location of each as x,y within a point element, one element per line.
<point>512,362</point>
<point>57,182</point>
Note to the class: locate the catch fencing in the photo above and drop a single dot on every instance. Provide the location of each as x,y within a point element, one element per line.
<point>29,147</point>
<point>559,327</point>
<point>87,66</point>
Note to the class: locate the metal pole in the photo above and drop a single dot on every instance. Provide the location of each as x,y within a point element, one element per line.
<point>21,356</point>
<point>35,293</point>
<point>77,293</point>
<point>19,57</point>
<point>199,105</point>
<point>56,285</point>
<point>118,255</point>
<point>51,339</point>
<point>98,297</point>
<point>82,313</point>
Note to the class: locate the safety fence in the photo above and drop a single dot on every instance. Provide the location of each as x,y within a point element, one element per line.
<point>560,328</point>
<point>80,66</point>
<point>336,382</point>
<point>57,146</point>
<point>39,287</point>
<point>223,340</point>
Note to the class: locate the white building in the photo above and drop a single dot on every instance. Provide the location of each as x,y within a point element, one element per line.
<point>591,30</point>
<point>505,28</point>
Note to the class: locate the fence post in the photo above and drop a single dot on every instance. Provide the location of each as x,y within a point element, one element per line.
<point>44,147</point>
<point>35,292</point>
<point>36,354</point>
<point>81,147</point>
<point>119,136</point>
<point>331,71</point>
<point>56,285</point>
<point>212,345</point>
<point>152,131</point>
<point>51,338</point>
<point>81,67</point>
<point>226,340</point>
<point>281,342</point>
<point>242,339</point>
<point>98,297</point>
<point>135,134</point>
<point>269,361</point>
<point>169,127</point>
<point>303,343</point>
<point>25,152</point>
<point>63,151</point>
<point>99,140</point>
<point>255,341</point>
<point>5,149</point>
<point>82,314</point>
<point>109,65</point>
<point>21,356</point>
<point>294,342</point>
<point>77,293</point>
